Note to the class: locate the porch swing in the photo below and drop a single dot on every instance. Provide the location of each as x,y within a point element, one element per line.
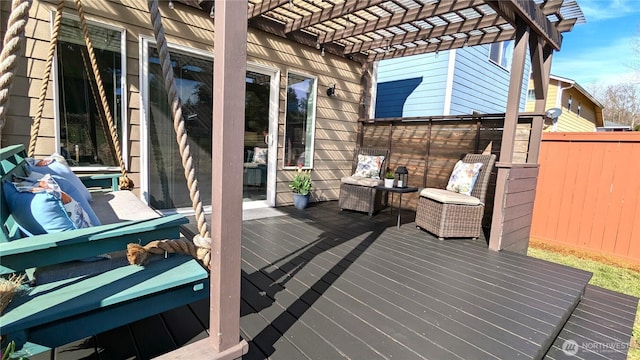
<point>67,299</point>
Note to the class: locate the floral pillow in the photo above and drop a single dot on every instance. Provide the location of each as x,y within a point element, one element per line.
<point>41,207</point>
<point>369,166</point>
<point>463,177</point>
<point>260,155</point>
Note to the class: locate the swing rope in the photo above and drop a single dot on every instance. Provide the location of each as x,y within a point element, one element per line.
<point>201,246</point>
<point>125,182</point>
<point>12,43</point>
<point>53,41</point>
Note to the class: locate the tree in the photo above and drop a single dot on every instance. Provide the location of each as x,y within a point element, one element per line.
<point>621,103</point>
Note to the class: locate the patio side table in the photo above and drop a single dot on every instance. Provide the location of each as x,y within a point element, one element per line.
<point>399,191</point>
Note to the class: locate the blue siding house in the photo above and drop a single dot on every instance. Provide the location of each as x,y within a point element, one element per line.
<point>455,82</point>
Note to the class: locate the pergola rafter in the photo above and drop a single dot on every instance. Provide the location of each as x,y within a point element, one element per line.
<point>369,30</point>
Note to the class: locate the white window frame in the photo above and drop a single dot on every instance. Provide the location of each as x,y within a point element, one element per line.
<point>313,119</point>
<point>124,98</point>
<point>504,47</point>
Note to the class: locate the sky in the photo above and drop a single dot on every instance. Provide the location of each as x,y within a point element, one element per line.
<point>600,51</point>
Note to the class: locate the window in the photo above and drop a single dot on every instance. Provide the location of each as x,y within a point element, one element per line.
<point>299,121</point>
<point>569,102</point>
<point>84,136</point>
<point>502,53</point>
<point>194,84</point>
<point>531,95</point>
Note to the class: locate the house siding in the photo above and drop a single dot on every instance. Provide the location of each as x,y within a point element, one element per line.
<point>412,86</point>
<point>481,85</point>
<point>417,85</point>
<point>569,120</point>
<point>336,117</point>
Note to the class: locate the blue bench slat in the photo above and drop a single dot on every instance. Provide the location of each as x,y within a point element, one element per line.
<point>54,301</point>
<point>50,249</point>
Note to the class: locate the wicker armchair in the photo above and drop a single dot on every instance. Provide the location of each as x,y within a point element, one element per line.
<point>361,194</point>
<point>448,214</point>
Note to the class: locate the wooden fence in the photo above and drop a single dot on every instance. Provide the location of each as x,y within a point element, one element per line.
<point>430,146</point>
<point>588,193</point>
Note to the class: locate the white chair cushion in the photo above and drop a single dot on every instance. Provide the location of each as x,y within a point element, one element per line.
<point>361,180</point>
<point>449,197</point>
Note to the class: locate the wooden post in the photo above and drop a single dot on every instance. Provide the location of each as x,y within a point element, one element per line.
<point>509,132</point>
<point>540,68</point>
<point>229,72</point>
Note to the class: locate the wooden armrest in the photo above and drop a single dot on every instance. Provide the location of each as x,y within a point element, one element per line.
<point>48,249</point>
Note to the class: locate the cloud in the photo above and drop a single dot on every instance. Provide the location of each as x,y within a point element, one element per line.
<point>598,10</point>
<point>607,63</point>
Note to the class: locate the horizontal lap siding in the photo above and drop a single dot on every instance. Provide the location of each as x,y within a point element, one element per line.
<point>588,193</point>
<point>518,208</point>
<point>336,127</point>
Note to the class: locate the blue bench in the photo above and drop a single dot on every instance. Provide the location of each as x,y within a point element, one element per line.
<point>90,297</point>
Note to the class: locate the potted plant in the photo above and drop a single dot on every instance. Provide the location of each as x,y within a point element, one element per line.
<point>389,177</point>
<point>301,187</point>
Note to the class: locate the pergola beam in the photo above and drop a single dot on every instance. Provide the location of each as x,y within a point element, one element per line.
<point>444,45</point>
<point>336,11</point>
<point>425,11</point>
<point>434,32</point>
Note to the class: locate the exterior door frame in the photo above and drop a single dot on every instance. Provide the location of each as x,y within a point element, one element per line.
<point>272,153</point>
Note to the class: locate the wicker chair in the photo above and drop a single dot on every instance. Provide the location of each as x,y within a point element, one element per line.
<point>448,214</point>
<point>361,194</point>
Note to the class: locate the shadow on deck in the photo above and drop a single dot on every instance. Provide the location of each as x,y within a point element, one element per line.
<point>326,284</point>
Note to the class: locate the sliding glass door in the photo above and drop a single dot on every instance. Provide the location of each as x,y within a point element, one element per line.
<point>165,183</point>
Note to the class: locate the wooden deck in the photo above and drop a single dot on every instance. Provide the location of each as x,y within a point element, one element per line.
<point>324,284</point>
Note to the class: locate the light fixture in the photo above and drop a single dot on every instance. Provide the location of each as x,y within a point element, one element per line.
<point>212,12</point>
<point>290,4</point>
<point>322,51</point>
<point>171,6</point>
<point>402,177</point>
<point>331,90</point>
<point>318,45</point>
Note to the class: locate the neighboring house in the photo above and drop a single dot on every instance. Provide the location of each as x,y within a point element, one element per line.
<point>455,82</point>
<point>612,126</point>
<point>581,112</point>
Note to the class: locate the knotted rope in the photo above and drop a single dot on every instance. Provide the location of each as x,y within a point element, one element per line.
<point>125,182</point>
<point>139,255</point>
<point>12,43</point>
<point>53,41</point>
<point>202,241</point>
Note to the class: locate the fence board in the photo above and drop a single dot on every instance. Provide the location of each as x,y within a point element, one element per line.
<point>588,193</point>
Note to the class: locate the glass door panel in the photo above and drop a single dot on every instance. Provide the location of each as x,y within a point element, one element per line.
<point>256,136</point>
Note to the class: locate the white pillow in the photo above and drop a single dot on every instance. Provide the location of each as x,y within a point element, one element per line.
<point>463,177</point>
<point>369,166</point>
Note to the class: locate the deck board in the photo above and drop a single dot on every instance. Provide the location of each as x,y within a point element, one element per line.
<point>326,284</point>
<point>603,317</point>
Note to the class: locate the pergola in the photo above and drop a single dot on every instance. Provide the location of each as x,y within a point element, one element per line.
<point>364,31</point>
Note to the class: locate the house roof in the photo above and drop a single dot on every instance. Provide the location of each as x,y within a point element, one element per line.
<point>370,30</point>
<point>578,87</point>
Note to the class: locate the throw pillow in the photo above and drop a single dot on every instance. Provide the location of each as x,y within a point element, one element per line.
<point>41,207</point>
<point>67,187</point>
<point>54,164</point>
<point>369,166</point>
<point>260,155</point>
<point>463,177</point>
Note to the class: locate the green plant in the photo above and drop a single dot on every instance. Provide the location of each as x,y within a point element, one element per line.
<point>8,352</point>
<point>301,182</point>
<point>390,175</point>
